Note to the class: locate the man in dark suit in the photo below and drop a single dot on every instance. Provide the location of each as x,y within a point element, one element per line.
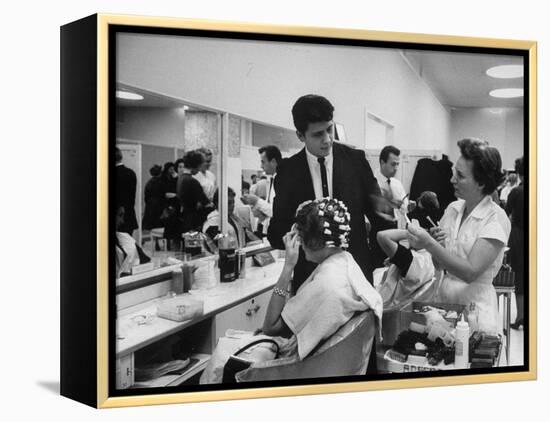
<point>125,193</point>
<point>323,168</point>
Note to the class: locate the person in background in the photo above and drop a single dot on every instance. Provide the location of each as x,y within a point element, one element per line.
<point>515,209</point>
<point>270,157</point>
<point>127,252</point>
<point>178,164</point>
<point>125,193</point>
<point>253,179</point>
<point>260,187</point>
<point>323,168</point>
<point>245,187</point>
<point>154,199</point>
<point>511,183</point>
<point>193,200</point>
<point>238,228</point>
<point>428,206</point>
<point>391,204</point>
<point>170,213</point>
<point>474,231</point>
<point>205,177</point>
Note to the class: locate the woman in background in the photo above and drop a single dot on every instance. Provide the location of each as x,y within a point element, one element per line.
<point>193,200</point>
<point>514,208</point>
<point>154,199</point>
<point>473,233</point>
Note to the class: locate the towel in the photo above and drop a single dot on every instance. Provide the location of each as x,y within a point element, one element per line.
<point>335,290</point>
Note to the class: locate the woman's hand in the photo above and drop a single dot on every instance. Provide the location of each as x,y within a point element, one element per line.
<point>292,248</point>
<point>438,235</point>
<point>418,237</point>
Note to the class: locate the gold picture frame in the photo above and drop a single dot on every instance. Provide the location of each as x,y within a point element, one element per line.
<point>87,138</point>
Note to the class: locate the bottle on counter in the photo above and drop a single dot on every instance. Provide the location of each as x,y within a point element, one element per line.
<point>177,281</point>
<point>227,245</point>
<point>241,263</point>
<point>462,340</point>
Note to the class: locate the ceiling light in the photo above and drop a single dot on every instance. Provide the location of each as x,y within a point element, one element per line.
<point>126,95</point>
<point>507,93</point>
<point>508,71</point>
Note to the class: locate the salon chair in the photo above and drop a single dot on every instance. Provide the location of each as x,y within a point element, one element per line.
<point>346,352</point>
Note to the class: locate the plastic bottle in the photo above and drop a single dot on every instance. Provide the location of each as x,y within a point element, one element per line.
<point>461,343</point>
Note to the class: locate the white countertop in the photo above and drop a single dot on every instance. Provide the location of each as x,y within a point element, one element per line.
<point>132,336</point>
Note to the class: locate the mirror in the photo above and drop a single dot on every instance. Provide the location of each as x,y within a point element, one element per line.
<point>166,178</point>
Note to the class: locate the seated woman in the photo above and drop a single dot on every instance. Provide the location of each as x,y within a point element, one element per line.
<point>410,274</point>
<point>331,295</point>
<point>472,235</point>
<point>127,252</point>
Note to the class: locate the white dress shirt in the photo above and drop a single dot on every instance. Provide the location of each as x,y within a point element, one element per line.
<point>315,171</point>
<point>263,209</point>
<point>393,190</point>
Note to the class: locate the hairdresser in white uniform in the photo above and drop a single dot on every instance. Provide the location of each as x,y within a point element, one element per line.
<point>472,235</point>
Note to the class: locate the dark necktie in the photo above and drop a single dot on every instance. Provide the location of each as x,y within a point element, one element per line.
<point>270,187</point>
<point>324,182</point>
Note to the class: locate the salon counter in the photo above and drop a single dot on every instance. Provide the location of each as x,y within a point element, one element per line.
<point>139,326</point>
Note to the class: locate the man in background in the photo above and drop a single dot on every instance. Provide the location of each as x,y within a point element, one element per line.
<point>270,157</point>
<point>125,193</point>
<point>205,177</point>
<point>392,204</point>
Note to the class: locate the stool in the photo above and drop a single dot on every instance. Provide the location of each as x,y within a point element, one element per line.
<point>507,309</point>
<point>157,234</point>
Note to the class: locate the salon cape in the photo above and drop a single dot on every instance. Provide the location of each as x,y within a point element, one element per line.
<point>335,290</point>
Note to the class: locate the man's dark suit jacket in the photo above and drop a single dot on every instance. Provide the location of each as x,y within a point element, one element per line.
<point>125,193</point>
<point>352,183</point>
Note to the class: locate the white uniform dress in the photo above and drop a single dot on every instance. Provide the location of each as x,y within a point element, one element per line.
<point>486,221</point>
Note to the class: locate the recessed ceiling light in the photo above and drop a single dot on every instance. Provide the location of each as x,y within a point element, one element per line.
<point>507,93</point>
<point>126,95</point>
<point>508,71</point>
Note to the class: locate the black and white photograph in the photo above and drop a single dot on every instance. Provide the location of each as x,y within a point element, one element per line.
<point>295,211</point>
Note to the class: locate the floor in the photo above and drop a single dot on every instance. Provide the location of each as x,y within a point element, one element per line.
<point>516,340</point>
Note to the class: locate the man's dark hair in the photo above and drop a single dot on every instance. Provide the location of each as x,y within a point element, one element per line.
<point>271,152</point>
<point>311,109</point>
<point>118,155</point>
<point>193,159</point>
<point>387,150</point>
<point>155,170</point>
<point>487,164</point>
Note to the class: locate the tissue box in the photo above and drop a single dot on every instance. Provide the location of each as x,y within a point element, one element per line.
<point>180,308</point>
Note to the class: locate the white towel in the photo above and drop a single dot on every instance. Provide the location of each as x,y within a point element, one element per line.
<point>335,290</point>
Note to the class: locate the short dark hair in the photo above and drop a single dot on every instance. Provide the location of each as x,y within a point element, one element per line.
<point>487,164</point>
<point>387,150</point>
<point>311,109</point>
<point>177,163</point>
<point>193,159</point>
<point>428,200</point>
<point>215,198</point>
<point>519,166</point>
<point>271,152</point>
<point>118,155</point>
<point>155,170</point>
